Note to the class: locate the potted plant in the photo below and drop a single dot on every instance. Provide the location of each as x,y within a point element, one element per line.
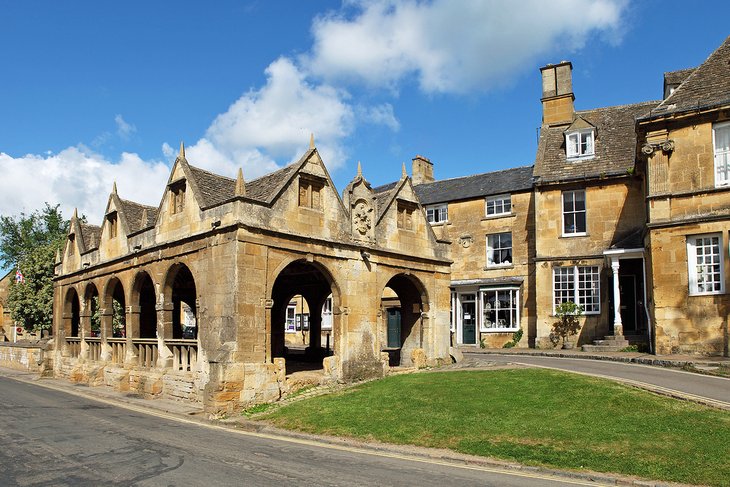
<point>568,323</point>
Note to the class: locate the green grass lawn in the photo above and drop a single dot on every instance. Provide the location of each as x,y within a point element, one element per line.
<point>532,416</point>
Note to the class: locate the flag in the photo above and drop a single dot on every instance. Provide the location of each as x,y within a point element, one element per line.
<point>19,276</point>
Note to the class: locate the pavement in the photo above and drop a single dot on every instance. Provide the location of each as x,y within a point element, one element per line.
<point>632,366</point>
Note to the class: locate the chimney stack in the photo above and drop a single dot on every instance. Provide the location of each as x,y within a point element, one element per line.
<point>422,170</point>
<point>557,93</point>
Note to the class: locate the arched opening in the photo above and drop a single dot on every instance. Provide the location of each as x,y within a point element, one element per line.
<point>115,298</point>
<point>182,294</point>
<point>402,302</point>
<point>91,304</point>
<point>301,317</point>
<point>143,293</point>
<point>72,313</point>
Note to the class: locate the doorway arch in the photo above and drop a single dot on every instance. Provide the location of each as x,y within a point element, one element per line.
<point>402,303</point>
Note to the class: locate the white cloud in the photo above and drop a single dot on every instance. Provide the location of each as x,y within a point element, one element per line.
<point>274,123</point>
<point>124,129</point>
<point>452,47</point>
<point>77,177</point>
<point>382,114</point>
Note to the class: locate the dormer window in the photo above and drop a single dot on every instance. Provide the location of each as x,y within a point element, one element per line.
<point>580,144</point>
<point>310,192</point>
<point>405,214</point>
<point>177,197</point>
<point>112,220</point>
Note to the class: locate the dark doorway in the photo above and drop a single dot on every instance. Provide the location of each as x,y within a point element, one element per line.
<point>402,302</point>
<point>147,311</point>
<point>633,312</point>
<point>468,322</point>
<point>184,308</point>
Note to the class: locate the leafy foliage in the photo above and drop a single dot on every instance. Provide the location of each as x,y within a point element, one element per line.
<point>568,322</point>
<point>30,242</point>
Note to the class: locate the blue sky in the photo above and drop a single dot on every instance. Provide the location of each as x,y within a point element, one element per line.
<point>92,92</point>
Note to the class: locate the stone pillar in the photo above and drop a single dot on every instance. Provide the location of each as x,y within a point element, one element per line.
<point>618,328</point>
<point>131,357</point>
<point>84,330</point>
<point>107,317</point>
<point>63,331</point>
<point>164,332</point>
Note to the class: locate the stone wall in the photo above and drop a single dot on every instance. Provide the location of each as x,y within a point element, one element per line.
<point>21,356</point>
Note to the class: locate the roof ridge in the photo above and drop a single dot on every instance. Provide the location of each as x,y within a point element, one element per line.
<point>626,105</point>
<point>196,168</point>
<point>138,204</point>
<point>475,175</point>
<point>696,73</point>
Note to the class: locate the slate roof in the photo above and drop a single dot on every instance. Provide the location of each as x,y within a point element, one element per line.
<point>615,145</point>
<point>677,77</point>
<point>705,87</point>
<point>267,186</point>
<point>91,235</point>
<point>214,189</point>
<point>133,213</point>
<point>476,185</point>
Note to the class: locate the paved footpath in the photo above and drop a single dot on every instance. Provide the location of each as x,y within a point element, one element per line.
<point>706,389</point>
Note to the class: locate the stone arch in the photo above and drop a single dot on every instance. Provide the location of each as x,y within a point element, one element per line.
<point>181,302</point>
<point>91,305</point>
<point>72,313</point>
<point>114,304</point>
<point>315,283</point>
<point>143,300</point>
<point>401,323</point>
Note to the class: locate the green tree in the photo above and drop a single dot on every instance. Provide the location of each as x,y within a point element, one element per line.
<point>30,241</point>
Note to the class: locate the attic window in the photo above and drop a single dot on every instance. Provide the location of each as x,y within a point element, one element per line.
<point>580,144</point>
<point>177,197</point>
<point>310,193</point>
<point>405,214</point>
<point>111,219</point>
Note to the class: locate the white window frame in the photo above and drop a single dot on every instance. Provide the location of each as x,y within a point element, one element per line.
<point>437,214</point>
<point>575,287</point>
<point>494,244</point>
<point>722,157</point>
<point>501,203</point>
<point>698,280</point>
<point>582,145</point>
<point>574,212</point>
<point>290,320</point>
<point>515,306</point>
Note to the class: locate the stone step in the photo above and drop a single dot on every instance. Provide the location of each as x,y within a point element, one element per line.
<point>602,348</point>
<point>612,343</point>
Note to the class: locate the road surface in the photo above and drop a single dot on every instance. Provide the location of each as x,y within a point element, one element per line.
<point>49,437</point>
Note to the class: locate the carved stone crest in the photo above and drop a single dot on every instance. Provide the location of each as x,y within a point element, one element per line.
<point>466,241</point>
<point>362,219</point>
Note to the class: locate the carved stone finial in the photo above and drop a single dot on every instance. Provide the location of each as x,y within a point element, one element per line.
<point>145,218</point>
<point>404,173</point>
<point>181,155</point>
<point>359,169</point>
<point>58,256</point>
<point>240,183</point>
<point>114,187</point>
<point>311,140</point>
<point>76,213</point>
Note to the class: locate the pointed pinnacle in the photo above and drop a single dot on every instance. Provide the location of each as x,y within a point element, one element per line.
<point>76,213</point>
<point>182,150</point>
<point>58,256</point>
<point>240,183</point>
<point>144,218</point>
<point>114,187</point>
<point>311,140</point>
<point>404,173</point>
<point>359,169</point>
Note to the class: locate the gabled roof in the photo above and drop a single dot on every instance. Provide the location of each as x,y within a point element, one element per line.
<point>90,234</point>
<point>267,186</point>
<point>615,145</point>
<point>677,77</point>
<point>214,189</point>
<point>705,87</point>
<point>476,186</point>
<point>133,212</point>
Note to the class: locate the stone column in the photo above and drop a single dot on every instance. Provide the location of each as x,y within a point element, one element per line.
<point>107,317</point>
<point>164,332</point>
<point>131,357</point>
<point>618,328</point>
<point>84,330</point>
<point>63,331</point>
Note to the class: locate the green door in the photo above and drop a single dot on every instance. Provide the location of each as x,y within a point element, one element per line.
<point>394,328</point>
<point>468,322</point>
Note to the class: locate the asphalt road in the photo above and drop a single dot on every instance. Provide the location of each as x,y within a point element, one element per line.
<point>49,437</point>
<point>685,383</point>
